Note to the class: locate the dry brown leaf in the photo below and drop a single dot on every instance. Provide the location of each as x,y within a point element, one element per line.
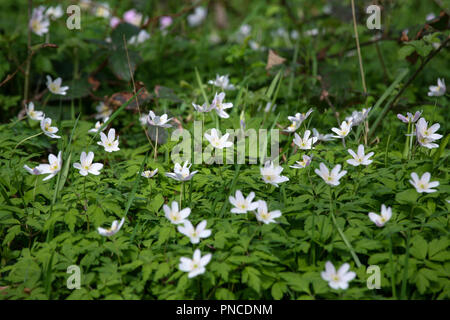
<point>274,60</point>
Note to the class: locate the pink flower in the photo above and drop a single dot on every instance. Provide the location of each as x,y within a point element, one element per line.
<point>114,22</point>
<point>165,21</point>
<point>133,17</point>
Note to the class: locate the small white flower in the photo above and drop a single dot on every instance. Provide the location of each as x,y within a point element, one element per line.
<point>222,82</point>
<point>194,234</point>
<point>115,227</point>
<point>34,114</point>
<point>140,38</point>
<point>54,12</point>
<point>331,178</point>
<point>103,111</point>
<point>181,173</point>
<point>339,279</point>
<point>241,204</point>
<point>359,158</point>
<point>202,108</point>
<point>264,215</point>
<point>312,32</point>
<point>47,129</point>
<point>86,166</point>
<point>39,24</point>
<point>300,117</point>
<point>271,174</point>
<point>344,129</point>
<point>53,166</point>
<point>439,90</point>
<point>102,10</point>
<point>322,137</point>
<point>426,136</point>
<point>306,143</point>
<point>380,220</point>
<point>34,171</point>
<point>220,106</point>
<point>293,127</point>
<point>175,215</point>
<point>358,117</point>
<point>410,118</point>
<point>217,141</point>
<point>197,17</point>
<point>109,142</point>
<point>196,265</point>
<point>423,184</point>
<point>158,121</point>
<point>55,86</point>
<point>98,125</point>
<point>302,164</point>
<point>149,173</point>
<point>245,30</point>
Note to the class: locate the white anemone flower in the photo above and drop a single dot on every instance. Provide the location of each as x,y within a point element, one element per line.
<point>306,143</point>
<point>196,265</point>
<point>196,233</point>
<point>115,227</point>
<point>439,90</point>
<point>54,86</point>
<point>220,106</point>
<point>263,214</point>
<point>241,204</point>
<point>322,137</point>
<point>380,220</point>
<point>33,171</point>
<point>331,178</point>
<point>410,118</point>
<point>181,173</point>
<point>54,12</point>
<point>48,129</point>
<point>358,117</point>
<point>360,158</point>
<point>344,129</point>
<point>423,184</point>
<point>292,127</point>
<point>222,82</point>
<point>86,166</point>
<point>302,164</point>
<point>158,121</point>
<point>34,114</point>
<point>103,111</point>
<point>426,136</point>
<point>98,125</point>
<point>202,108</point>
<point>109,142</point>
<point>197,17</point>
<point>53,167</point>
<point>217,141</point>
<point>102,10</point>
<point>141,37</point>
<point>339,279</point>
<point>271,174</point>
<point>39,24</point>
<point>175,215</point>
<point>149,173</point>
<point>300,117</point>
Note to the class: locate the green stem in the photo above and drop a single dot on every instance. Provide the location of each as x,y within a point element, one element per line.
<point>344,238</point>
<point>156,143</point>
<point>394,294</point>
<point>22,141</point>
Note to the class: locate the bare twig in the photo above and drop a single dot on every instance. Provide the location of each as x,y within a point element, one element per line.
<point>361,69</point>
<point>410,80</point>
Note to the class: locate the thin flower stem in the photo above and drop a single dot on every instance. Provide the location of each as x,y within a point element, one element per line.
<point>394,294</point>
<point>22,141</point>
<point>361,68</point>
<point>344,238</point>
<point>181,192</point>
<point>434,110</point>
<point>117,250</point>
<point>86,203</point>
<point>156,143</point>
<point>406,149</point>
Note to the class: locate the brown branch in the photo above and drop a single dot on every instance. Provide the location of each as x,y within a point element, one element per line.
<point>410,80</point>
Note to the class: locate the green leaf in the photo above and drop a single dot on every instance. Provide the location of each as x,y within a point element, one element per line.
<point>407,196</point>
<point>278,289</point>
<point>419,247</point>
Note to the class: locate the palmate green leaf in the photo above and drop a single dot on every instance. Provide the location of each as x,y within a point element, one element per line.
<point>407,197</point>
<point>224,294</point>
<point>278,290</point>
<point>250,276</point>
<point>419,247</point>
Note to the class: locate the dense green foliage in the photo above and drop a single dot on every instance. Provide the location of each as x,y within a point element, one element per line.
<point>46,226</point>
